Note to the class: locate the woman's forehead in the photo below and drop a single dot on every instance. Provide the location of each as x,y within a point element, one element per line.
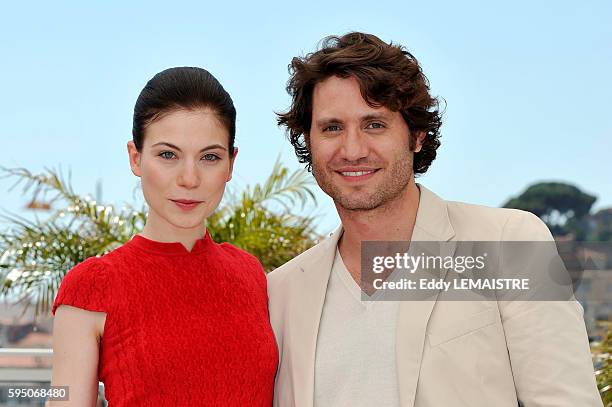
<point>187,129</point>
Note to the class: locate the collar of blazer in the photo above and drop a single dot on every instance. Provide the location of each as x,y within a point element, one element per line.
<point>432,224</point>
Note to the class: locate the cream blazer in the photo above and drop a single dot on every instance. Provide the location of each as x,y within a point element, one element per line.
<point>448,353</point>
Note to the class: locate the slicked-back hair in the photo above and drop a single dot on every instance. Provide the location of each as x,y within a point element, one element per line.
<point>179,88</point>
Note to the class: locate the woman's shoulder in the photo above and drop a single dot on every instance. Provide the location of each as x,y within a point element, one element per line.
<point>98,265</point>
<point>238,254</point>
<point>246,266</point>
<point>87,285</point>
<point>87,269</point>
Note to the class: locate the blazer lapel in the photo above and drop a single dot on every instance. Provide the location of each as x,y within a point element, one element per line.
<point>432,224</point>
<point>310,295</point>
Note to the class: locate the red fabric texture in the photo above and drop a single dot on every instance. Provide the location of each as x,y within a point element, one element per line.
<point>182,328</point>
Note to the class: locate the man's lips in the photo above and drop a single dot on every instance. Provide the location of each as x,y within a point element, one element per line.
<point>356,173</point>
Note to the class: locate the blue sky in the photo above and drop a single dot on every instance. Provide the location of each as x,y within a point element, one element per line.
<point>526,84</point>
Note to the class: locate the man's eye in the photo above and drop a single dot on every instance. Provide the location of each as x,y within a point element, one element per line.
<point>210,157</point>
<point>166,155</point>
<point>376,125</point>
<point>333,127</point>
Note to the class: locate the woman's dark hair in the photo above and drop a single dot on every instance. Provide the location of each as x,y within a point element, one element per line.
<point>388,75</point>
<point>182,88</point>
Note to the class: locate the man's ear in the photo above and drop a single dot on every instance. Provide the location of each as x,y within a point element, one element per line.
<point>134,156</point>
<point>231,166</point>
<point>419,138</point>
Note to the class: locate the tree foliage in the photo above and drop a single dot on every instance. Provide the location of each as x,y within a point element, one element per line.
<point>36,254</point>
<point>602,230</point>
<point>563,207</point>
<point>602,353</point>
<point>250,222</point>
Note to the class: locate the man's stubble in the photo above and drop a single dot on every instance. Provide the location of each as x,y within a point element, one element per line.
<point>397,176</point>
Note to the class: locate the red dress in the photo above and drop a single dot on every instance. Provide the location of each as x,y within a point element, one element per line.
<point>182,328</point>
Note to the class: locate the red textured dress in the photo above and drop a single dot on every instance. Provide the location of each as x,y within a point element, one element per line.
<point>182,328</point>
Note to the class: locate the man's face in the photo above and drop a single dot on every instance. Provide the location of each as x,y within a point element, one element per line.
<point>360,154</point>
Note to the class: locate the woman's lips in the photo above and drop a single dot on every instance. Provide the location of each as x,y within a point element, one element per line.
<point>186,204</point>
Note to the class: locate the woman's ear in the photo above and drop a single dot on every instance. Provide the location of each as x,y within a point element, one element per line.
<point>134,156</point>
<point>231,166</point>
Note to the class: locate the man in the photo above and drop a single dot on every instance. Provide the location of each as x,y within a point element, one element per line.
<point>363,120</point>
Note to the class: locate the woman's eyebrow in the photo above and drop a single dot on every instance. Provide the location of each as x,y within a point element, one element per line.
<point>210,147</point>
<point>163,143</point>
<point>213,146</point>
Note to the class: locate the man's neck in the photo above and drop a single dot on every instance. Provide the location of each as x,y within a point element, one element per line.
<point>393,221</point>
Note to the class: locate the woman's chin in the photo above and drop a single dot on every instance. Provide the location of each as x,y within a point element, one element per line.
<point>186,222</point>
<point>189,224</point>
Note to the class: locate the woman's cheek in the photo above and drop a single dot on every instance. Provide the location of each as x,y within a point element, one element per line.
<point>218,181</point>
<point>153,180</point>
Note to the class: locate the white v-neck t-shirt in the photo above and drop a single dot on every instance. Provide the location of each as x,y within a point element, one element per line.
<point>355,355</point>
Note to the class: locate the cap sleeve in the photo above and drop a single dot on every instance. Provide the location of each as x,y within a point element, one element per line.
<point>85,286</point>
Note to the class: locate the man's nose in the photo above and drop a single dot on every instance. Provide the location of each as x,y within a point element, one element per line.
<point>354,145</point>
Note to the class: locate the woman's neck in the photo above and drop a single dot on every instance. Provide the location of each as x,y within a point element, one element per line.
<point>160,230</point>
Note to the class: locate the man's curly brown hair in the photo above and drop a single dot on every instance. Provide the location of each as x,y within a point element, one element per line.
<point>388,75</point>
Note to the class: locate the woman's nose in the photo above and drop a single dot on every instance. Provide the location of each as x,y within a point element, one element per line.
<point>189,177</point>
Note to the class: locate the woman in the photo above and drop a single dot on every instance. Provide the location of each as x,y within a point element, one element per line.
<point>170,318</point>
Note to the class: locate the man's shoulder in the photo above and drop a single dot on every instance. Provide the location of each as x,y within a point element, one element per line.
<point>294,265</point>
<point>459,212</point>
<point>480,222</point>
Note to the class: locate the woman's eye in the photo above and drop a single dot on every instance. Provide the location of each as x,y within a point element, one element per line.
<point>210,157</point>
<point>166,155</point>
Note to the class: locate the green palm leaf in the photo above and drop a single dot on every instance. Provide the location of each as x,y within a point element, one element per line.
<point>36,254</point>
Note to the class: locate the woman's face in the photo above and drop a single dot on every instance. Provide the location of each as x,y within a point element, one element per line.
<point>184,165</point>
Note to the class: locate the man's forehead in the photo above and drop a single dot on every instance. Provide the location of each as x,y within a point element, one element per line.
<point>326,113</point>
<point>337,97</point>
<point>336,87</point>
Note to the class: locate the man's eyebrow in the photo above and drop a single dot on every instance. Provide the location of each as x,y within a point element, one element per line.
<point>375,116</point>
<point>210,147</point>
<point>371,116</point>
<point>327,120</point>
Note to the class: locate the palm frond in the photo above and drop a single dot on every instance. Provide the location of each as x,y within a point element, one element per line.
<point>36,254</point>
<point>282,187</point>
<point>49,181</point>
<point>270,232</point>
